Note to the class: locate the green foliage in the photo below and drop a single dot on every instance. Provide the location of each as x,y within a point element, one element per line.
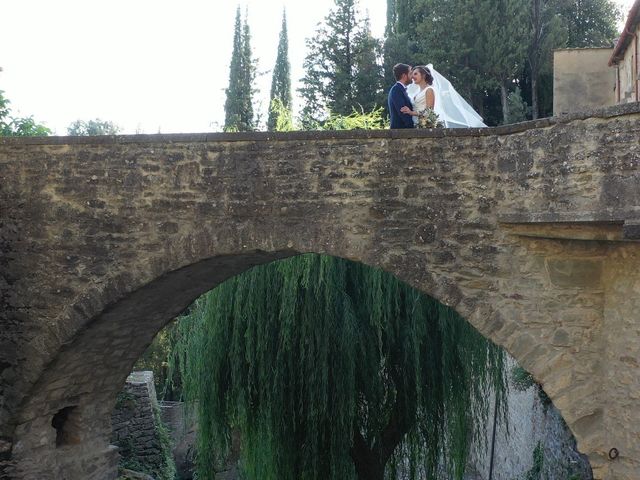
<point>281,116</point>
<point>523,380</point>
<point>248,70</point>
<point>535,472</point>
<point>368,73</point>
<point>544,468</point>
<point>403,43</point>
<point>238,106</point>
<point>92,127</point>
<point>130,463</point>
<point>167,381</point>
<point>281,79</point>
<point>321,362</point>
<point>488,47</point>
<point>589,23</point>
<point>545,33</point>
<point>504,44</point>
<point>342,67</point>
<point>130,457</point>
<point>518,109</point>
<point>125,400</point>
<point>356,121</point>
<point>166,470</point>
<point>18,126</point>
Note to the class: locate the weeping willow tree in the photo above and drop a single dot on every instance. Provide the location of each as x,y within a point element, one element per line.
<point>330,369</point>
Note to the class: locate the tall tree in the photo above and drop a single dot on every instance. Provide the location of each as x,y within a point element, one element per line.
<point>281,79</point>
<point>402,44</point>
<point>248,75</point>
<point>239,103</point>
<point>333,370</point>
<point>367,69</point>
<point>503,37</point>
<point>589,23</point>
<point>233,104</point>
<point>331,65</point>
<point>546,32</point>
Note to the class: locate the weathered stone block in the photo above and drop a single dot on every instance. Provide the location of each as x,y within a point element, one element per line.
<point>577,273</point>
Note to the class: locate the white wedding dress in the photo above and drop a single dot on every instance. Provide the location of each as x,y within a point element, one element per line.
<point>451,108</point>
<point>419,101</point>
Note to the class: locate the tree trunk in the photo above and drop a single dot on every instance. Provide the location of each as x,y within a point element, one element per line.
<point>369,471</point>
<point>534,93</point>
<point>534,54</point>
<point>505,102</point>
<point>478,103</point>
<point>369,462</point>
<point>366,461</point>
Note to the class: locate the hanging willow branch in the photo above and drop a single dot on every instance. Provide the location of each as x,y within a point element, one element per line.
<point>330,369</point>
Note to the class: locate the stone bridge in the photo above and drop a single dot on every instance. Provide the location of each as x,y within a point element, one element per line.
<point>529,231</point>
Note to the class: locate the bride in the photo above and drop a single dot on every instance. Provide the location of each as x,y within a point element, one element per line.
<point>432,90</point>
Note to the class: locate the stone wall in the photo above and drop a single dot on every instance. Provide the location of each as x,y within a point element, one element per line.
<point>143,440</point>
<point>582,79</point>
<point>182,426</point>
<point>531,422</point>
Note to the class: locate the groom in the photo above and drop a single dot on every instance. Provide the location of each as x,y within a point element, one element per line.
<point>398,97</point>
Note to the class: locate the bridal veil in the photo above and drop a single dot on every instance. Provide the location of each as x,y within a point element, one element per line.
<point>451,108</point>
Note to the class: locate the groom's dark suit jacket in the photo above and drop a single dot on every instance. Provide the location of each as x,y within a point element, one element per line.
<point>398,98</point>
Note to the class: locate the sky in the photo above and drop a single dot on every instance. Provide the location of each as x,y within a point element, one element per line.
<point>147,65</point>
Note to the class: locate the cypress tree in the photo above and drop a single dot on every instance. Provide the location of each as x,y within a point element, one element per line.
<point>392,15</point>
<point>331,370</point>
<point>331,65</point>
<point>232,106</point>
<point>239,103</point>
<point>248,77</point>
<point>281,79</point>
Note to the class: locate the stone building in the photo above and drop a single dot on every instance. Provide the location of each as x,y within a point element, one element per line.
<point>625,59</point>
<point>583,78</point>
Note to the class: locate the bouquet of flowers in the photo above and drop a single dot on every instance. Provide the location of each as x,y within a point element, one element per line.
<point>428,118</point>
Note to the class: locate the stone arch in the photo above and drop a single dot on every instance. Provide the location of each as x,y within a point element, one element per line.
<point>111,325</point>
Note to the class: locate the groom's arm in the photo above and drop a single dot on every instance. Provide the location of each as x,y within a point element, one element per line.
<point>399,100</point>
<point>403,100</point>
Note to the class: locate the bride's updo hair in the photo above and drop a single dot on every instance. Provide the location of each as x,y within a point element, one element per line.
<point>426,74</point>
